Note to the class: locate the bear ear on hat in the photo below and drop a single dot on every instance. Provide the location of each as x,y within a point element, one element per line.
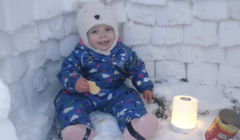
<point>78,5</point>
<point>106,2</point>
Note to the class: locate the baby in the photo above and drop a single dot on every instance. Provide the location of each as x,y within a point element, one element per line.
<point>100,56</point>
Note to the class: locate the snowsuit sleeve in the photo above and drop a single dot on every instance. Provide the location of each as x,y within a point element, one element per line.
<point>71,70</point>
<point>136,69</point>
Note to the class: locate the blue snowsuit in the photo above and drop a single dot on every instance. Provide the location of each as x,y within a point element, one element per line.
<point>109,73</point>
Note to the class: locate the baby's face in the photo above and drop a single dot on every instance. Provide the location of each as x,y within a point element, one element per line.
<point>101,37</point>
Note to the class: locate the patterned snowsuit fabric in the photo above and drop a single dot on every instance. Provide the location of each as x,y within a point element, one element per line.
<point>109,73</point>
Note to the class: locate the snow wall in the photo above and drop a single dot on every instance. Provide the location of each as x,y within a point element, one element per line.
<point>197,40</point>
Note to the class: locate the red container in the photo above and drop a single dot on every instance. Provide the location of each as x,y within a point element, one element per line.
<point>220,128</point>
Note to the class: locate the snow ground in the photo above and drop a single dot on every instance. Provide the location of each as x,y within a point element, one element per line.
<point>211,101</point>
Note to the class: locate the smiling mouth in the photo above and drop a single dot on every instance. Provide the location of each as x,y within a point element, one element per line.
<point>103,43</point>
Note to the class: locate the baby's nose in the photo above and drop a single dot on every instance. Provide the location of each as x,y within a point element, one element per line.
<point>103,34</point>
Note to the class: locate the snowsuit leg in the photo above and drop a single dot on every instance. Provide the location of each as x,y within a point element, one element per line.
<point>72,108</point>
<point>125,106</point>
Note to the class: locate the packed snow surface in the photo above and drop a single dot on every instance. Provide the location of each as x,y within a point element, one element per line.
<point>211,100</point>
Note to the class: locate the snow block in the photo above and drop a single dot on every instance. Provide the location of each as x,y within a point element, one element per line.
<point>10,15</point>
<point>149,52</point>
<point>229,33</point>
<point>44,9</point>
<point>34,127</point>
<point>150,67</point>
<point>150,2</point>
<point>232,93</point>
<point>205,54</point>
<point>35,58</point>
<point>201,33</point>
<point>68,44</point>
<point>140,13</point>
<point>175,12</point>
<point>7,130</point>
<point>6,47</point>
<point>136,34</point>
<point>52,90</point>
<point>170,70</point>
<point>229,75</point>
<point>106,126</point>
<point>12,69</point>
<point>180,52</point>
<point>34,99</point>
<point>68,5</point>
<point>1,15</point>
<point>20,117</point>
<point>51,28</point>
<point>26,38</point>
<point>43,31</point>
<point>51,68</point>
<point>26,11</point>
<point>118,8</point>
<point>18,97</point>
<point>69,24</point>
<point>15,13</point>
<point>235,8</point>
<point>211,10</point>
<point>4,101</point>
<point>233,54</point>
<point>39,80</point>
<point>203,73</point>
<point>167,35</point>
<point>52,50</point>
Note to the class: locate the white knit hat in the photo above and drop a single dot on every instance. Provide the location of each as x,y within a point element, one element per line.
<point>95,13</point>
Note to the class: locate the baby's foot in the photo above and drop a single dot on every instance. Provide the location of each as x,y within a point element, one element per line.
<point>145,126</point>
<point>76,132</point>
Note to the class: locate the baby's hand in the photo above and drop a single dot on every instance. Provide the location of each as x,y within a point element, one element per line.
<point>147,95</point>
<point>81,85</point>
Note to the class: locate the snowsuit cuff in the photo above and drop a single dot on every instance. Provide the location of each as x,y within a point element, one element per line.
<point>147,88</point>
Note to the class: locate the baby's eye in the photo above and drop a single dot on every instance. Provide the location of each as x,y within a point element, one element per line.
<point>94,32</point>
<point>108,29</point>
